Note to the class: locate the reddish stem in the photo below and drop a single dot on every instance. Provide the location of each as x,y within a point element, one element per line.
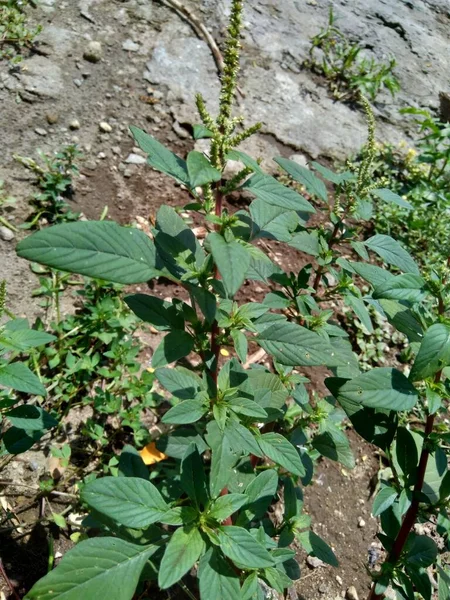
<point>8,581</point>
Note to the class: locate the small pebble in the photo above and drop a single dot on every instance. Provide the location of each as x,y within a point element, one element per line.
<point>40,131</point>
<point>135,159</point>
<point>361,522</point>
<point>52,118</point>
<point>180,131</point>
<point>130,46</point>
<point>339,580</point>
<point>78,82</point>
<point>351,593</point>
<point>6,234</point>
<point>105,127</point>
<point>323,588</point>
<point>75,124</point>
<point>314,562</point>
<point>91,165</point>
<point>93,52</point>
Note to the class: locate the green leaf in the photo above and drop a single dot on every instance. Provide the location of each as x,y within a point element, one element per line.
<point>243,549</point>
<point>245,159</point>
<point>205,300</point>
<point>313,544</point>
<point>176,444</point>
<point>180,382</point>
<point>388,196</point>
<point>281,451</point>
<point>201,132</point>
<point>406,451</point>
<point>371,273</point>
<point>359,308</point>
<point>182,552</point>
<point>201,170</point>
<point>192,477</point>
<point>131,464</point>
<point>421,551</point>
<point>240,344</point>
<point>130,501</point>
<point>23,339</point>
<point>272,222</point>
<point>273,192</point>
<point>160,157</point>
<point>403,287</point>
<point>402,319</point>
<point>383,500</point>
<point>31,418</point>
<point>306,242</point>
<point>244,406</point>
<point>102,567</point>
<point>260,493</point>
<point>98,249</point>
<point>187,411</point>
<point>421,581</point>
<point>17,440</point>
<point>392,252</point>
<point>225,506</point>
<point>232,260</point>
<point>313,184</point>
<point>222,459</point>
<point>294,345</point>
<point>334,444</point>
<point>180,515</point>
<point>241,439</point>
<point>250,587</point>
<point>175,345</point>
<point>336,178</point>
<point>217,579</point>
<point>160,313</point>
<point>19,377</point>
<point>381,387</point>
<point>434,352</point>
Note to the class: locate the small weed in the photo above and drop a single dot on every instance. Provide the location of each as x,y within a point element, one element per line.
<point>15,32</point>
<point>347,71</point>
<point>54,178</point>
<point>7,203</point>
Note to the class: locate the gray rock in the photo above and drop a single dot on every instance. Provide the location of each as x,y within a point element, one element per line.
<point>78,82</point>
<point>40,131</point>
<point>56,40</point>
<point>105,127</point>
<point>93,52</point>
<point>361,522</point>
<point>74,124</point>
<point>41,78</point>
<point>130,46</point>
<point>351,593</point>
<point>314,562</point>
<point>6,234</point>
<point>180,131</point>
<point>52,118</point>
<point>135,159</point>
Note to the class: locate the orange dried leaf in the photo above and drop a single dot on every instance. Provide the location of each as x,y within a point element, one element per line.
<point>151,455</point>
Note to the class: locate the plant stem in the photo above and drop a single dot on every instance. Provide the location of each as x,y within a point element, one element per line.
<point>321,268</point>
<point>8,582</point>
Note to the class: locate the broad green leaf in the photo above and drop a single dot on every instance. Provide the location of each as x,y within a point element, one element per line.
<point>281,451</point>
<point>381,387</point>
<point>241,439</point>
<point>101,567</point>
<point>176,444</point>
<point>273,192</point>
<point>307,242</point>
<point>19,377</point>
<point>222,459</point>
<point>201,132</point>
<point>392,252</point>
<point>313,544</point>
<point>98,249</point>
<point>175,345</point>
<point>336,178</point>
<point>240,344</point>
<point>180,382</point>
<point>421,581</point>
<point>130,501</point>
<point>160,313</point>
<point>334,444</point>
<point>131,464</point>
<point>406,451</point>
<point>192,477</point>
<point>403,319</point>
<point>292,344</point>
<point>187,411</point>
<point>17,440</point>
<point>23,339</point>
<point>313,184</point>
<point>250,587</point>
<point>272,222</point>
<point>160,157</point>
<point>403,287</point>
<point>205,300</point>
<point>217,579</point>
<point>245,159</point>
<point>244,406</point>
<point>358,306</point>
<point>434,352</point>
<point>182,552</point>
<point>243,549</point>
<point>388,196</point>
<point>180,515</point>
<point>226,505</point>
<point>260,493</point>
<point>232,260</point>
<point>371,273</point>
<point>444,584</point>
<point>201,170</point>
<point>31,418</point>
<point>421,551</point>
<point>383,500</point>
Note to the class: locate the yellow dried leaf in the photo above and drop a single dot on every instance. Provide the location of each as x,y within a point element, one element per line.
<point>151,455</point>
